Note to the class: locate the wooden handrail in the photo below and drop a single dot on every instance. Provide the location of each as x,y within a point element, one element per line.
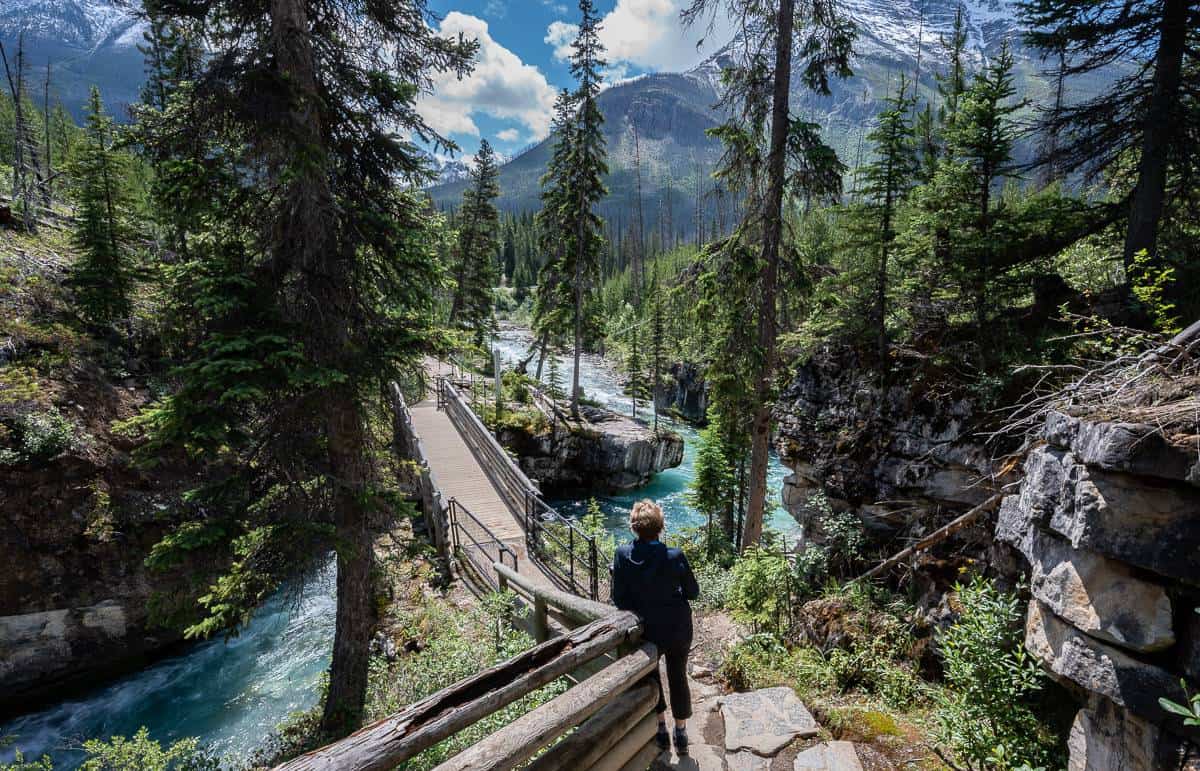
<point>396,738</point>
<point>521,739</point>
<point>578,609</point>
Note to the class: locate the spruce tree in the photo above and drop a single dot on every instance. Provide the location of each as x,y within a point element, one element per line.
<point>586,167</point>
<point>310,277</point>
<point>1152,43</point>
<point>103,277</point>
<point>477,272</point>
<point>887,180</point>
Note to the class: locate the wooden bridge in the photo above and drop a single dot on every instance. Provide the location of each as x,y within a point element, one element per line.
<point>479,506</point>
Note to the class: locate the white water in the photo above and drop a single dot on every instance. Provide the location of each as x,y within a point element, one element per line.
<point>231,694</point>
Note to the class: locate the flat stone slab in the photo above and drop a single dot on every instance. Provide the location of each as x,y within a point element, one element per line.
<point>828,756</point>
<point>765,721</point>
<point>700,757</point>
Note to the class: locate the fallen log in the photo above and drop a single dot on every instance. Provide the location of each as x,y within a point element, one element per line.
<point>934,538</point>
<point>388,742</point>
<point>521,739</point>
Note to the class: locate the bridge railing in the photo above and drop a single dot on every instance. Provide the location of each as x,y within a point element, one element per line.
<point>477,546</point>
<point>605,721</point>
<point>569,552</point>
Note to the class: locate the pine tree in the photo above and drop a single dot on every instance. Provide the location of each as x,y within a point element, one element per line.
<point>478,243</point>
<point>310,280</point>
<point>887,180</point>
<point>585,186</point>
<point>1143,112</point>
<point>713,487</point>
<point>952,84</point>
<point>103,277</point>
<point>980,143</point>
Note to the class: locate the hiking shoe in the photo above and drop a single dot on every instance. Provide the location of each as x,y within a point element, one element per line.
<point>663,738</point>
<point>681,741</point>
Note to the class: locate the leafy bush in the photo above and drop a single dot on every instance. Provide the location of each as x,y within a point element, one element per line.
<point>715,584</point>
<point>759,594</point>
<point>140,753</point>
<point>40,436</point>
<point>451,643</point>
<point>983,718</point>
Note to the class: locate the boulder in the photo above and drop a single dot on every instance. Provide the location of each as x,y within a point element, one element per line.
<point>1190,646</point>
<point>1101,669</point>
<point>1105,737</point>
<point>765,721</point>
<point>1156,527</point>
<point>1135,448</point>
<point>828,756</point>
<point>1095,594</point>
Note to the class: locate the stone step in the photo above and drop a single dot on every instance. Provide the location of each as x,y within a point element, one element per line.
<point>828,756</point>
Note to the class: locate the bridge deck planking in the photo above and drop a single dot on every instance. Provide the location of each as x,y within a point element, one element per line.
<point>458,474</point>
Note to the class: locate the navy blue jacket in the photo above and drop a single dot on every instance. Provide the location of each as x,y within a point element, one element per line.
<point>656,583</point>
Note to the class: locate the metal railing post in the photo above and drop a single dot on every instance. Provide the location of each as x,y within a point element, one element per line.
<point>595,572</point>
<point>571,549</point>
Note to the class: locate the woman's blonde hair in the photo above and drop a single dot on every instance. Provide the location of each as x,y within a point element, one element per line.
<point>646,519</point>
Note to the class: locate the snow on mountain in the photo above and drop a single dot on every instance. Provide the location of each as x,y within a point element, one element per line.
<point>86,25</point>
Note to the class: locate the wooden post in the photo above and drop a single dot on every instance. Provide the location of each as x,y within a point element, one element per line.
<point>541,622</point>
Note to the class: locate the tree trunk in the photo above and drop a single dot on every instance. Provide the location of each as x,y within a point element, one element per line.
<point>1146,206</point>
<point>305,236</point>
<point>355,614</point>
<point>769,276</point>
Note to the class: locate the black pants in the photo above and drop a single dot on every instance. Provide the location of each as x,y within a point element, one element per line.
<point>676,654</point>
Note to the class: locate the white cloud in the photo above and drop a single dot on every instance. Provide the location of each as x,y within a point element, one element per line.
<point>559,35</point>
<point>501,85</point>
<point>508,135</point>
<point>648,34</point>
<point>555,6</point>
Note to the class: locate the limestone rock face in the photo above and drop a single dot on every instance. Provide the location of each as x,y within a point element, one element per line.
<point>684,391</point>
<point>1097,595</point>
<point>859,443</point>
<point>765,721</point>
<point>1101,669</point>
<point>1105,737</point>
<point>1156,527</point>
<point>605,452</point>
<point>1131,447</point>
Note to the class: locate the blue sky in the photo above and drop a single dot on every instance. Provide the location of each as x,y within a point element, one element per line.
<point>520,66</point>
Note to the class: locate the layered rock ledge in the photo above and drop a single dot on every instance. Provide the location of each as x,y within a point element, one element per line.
<point>603,451</point>
<point>1108,516</point>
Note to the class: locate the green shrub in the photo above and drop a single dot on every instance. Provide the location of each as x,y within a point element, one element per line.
<point>41,436</point>
<point>139,753</point>
<point>983,717</point>
<point>759,594</point>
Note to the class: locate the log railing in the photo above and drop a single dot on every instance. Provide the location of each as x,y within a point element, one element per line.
<point>604,722</point>
<point>568,552</point>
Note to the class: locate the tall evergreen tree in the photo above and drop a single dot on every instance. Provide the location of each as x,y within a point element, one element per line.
<point>103,277</point>
<point>477,273</point>
<point>553,300</point>
<point>587,166</point>
<point>1143,112</point>
<point>757,94</point>
<point>886,182</point>
<point>310,279</point>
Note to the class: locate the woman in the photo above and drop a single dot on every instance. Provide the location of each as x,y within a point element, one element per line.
<point>656,582</point>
